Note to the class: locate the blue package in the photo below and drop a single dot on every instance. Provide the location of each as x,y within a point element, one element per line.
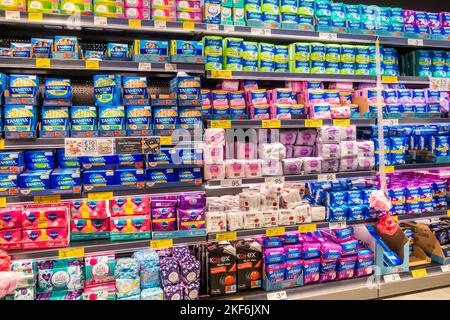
<point>139,117</point>
<point>117,51</point>
<point>337,213</point>
<point>165,117</point>
<point>365,259</point>
<point>354,197</point>
<point>440,145</point>
<point>98,178</point>
<point>398,147</point>
<point>107,90</point>
<point>57,88</point>
<point>9,182</point>
<point>22,85</point>
<point>276,272</point>
<point>64,162</point>
<point>433,108</point>
<point>134,87</point>
<point>271,17</point>
<point>127,177</point>
<point>292,252</point>
<point>39,160</point>
<point>356,212</point>
<point>189,117</point>
<point>12,162</point>
<point>111,118</point>
<point>344,233</point>
<point>349,247</point>
<point>272,242</point>
<point>55,119</point>
<point>160,176</point>
<point>398,199</point>
<point>35,180</point>
<point>272,256</point>
<point>290,238</point>
<point>65,179</point>
<point>336,198</point>
<point>165,156</point>
<point>83,118</point>
<point>98,162</point>
<point>390,258</point>
<point>294,269</point>
<point>21,50</point>
<point>289,18</point>
<point>130,161</point>
<point>189,174</point>
<point>253,16</point>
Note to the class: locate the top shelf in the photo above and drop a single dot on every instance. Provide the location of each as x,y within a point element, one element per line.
<point>90,23</point>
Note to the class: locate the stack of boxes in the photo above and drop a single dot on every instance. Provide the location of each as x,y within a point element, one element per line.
<point>100,279</point>
<point>189,11</point>
<point>11,228</point>
<point>163,10</point>
<point>109,8</point>
<point>139,9</point>
<point>89,219</point>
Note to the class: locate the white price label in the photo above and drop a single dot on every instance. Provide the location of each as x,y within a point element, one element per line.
<point>170,67</point>
<point>442,84</point>
<point>337,225</point>
<point>212,27</point>
<point>392,277</point>
<point>161,25</point>
<point>75,147</point>
<point>326,177</point>
<point>231,183</point>
<point>327,36</point>
<point>100,21</point>
<point>12,15</point>
<point>390,122</point>
<point>260,32</point>
<point>274,180</point>
<point>145,66</point>
<point>415,42</point>
<point>228,28</point>
<point>278,295</point>
<point>445,268</point>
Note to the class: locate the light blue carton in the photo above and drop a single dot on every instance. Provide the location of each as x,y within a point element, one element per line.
<point>139,117</point>
<point>117,51</point>
<point>337,15</point>
<point>151,51</point>
<point>111,118</point>
<point>39,160</point>
<point>107,90</point>
<point>21,50</point>
<point>83,118</point>
<point>57,88</point>
<point>35,180</point>
<point>20,118</point>
<point>353,16</point>
<point>65,179</point>
<point>55,119</point>
<point>186,51</point>
<point>134,88</point>
<point>21,85</point>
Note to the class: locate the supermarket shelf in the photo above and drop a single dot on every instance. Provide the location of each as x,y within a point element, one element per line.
<point>403,42</point>
<point>293,123</point>
<point>41,143</point>
<point>78,67</point>
<point>413,121</point>
<point>425,165</point>
<point>413,80</point>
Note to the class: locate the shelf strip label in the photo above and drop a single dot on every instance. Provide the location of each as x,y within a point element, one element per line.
<point>100,196</point>
<point>35,16</point>
<point>311,123</point>
<point>307,228</point>
<point>93,64</point>
<point>161,244</point>
<point>71,253</point>
<point>341,122</point>
<point>43,63</point>
<point>3,202</point>
<point>48,199</point>
<point>134,23</point>
<point>12,15</point>
<point>278,295</point>
<point>272,232</point>
<point>221,74</point>
<point>222,124</point>
<point>231,183</point>
<point>419,273</point>
<point>271,124</point>
<point>226,236</point>
<point>391,277</point>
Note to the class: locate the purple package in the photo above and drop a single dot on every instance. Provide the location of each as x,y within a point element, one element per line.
<point>272,242</point>
<point>329,151</point>
<point>273,255</point>
<point>275,272</point>
<point>331,251</point>
<point>192,201</point>
<point>311,250</point>
<point>292,166</point>
<point>169,271</point>
<point>366,148</point>
<point>306,137</point>
<point>348,133</point>
<point>328,270</point>
<point>169,203</point>
<point>293,269</point>
<point>444,18</point>
<point>69,295</point>
<point>163,213</point>
<point>346,267</point>
<point>180,252</point>
<point>302,151</point>
<point>191,291</point>
<point>293,251</point>
<point>312,165</point>
<point>364,263</point>
<point>348,164</point>
<point>290,238</point>
<point>433,20</point>
<point>188,215</point>
<point>190,270</point>
<point>289,151</point>
<point>311,271</point>
<point>164,225</point>
<point>408,16</point>
<point>173,292</point>
<point>330,165</point>
<point>329,134</point>
<point>288,137</point>
<point>170,197</point>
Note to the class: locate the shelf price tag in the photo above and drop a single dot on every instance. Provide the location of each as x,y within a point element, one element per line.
<point>279,295</point>
<point>326,177</point>
<point>227,28</point>
<point>222,124</point>
<point>337,225</point>
<point>391,277</point>
<point>161,244</point>
<point>390,122</point>
<point>307,228</point>
<point>389,169</point>
<point>271,124</point>
<point>212,27</point>
<point>92,64</point>
<point>134,23</point>
<point>48,199</point>
<point>165,140</point>
<point>231,183</point>
<point>240,298</point>
<point>35,16</point>
<point>395,218</point>
<point>71,252</point>
<point>188,25</point>
<point>441,84</point>
<point>144,66</point>
<point>100,196</point>
<point>389,79</point>
<point>311,123</point>
<point>448,213</point>
<point>273,232</point>
<point>43,63</point>
<point>226,236</point>
<point>101,21</point>
<point>12,15</point>
<point>2,144</point>
<point>221,74</point>
<point>274,180</point>
<point>171,67</point>
<point>445,268</point>
<point>327,36</point>
<point>415,42</point>
<point>341,122</point>
<point>160,25</point>
<point>419,273</point>
<point>2,202</point>
<point>260,32</point>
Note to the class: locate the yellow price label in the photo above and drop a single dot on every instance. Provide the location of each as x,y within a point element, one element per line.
<point>2,202</point>
<point>271,124</point>
<point>100,196</point>
<point>71,252</point>
<point>389,79</point>
<point>161,244</point>
<point>35,16</point>
<point>134,23</point>
<point>226,236</point>
<point>310,123</point>
<point>2,144</point>
<point>419,273</point>
<point>43,63</point>
<point>240,298</point>
<point>221,74</point>
<point>389,169</point>
<point>341,122</point>
<point>222,124</point>
<point>188,25</point>
<point>448,213</point>
<point>92,64</point>
<point>272,232</point>
<point>165,140</point>
<point>307,228</point>
<point>52,198</point>
<point>395,218</point>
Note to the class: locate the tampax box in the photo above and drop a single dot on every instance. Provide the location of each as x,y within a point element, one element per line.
<point>9,182</point>
<point>35,180</point>
<point>249,264</point>
<point>11,162</point>
<point>98,178</point>
<point>127,177</point>
<point>99,162</point>
<point>45,238</point>
<point>39,160</point>
<point>130,161</point>
<point>221,257</point>
<point>20,118</point>
<point>161,175</point>
<point>186,87</point>
<point>66,179</point>
<point>44,216</point>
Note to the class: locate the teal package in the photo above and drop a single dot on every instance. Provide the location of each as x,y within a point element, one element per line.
<point>362,69</point>
<point>107,90</point>
<point>186,48</point>
<point>270,6</point>
<point>165,117</point>
<point>306,7</point>
<point>333,53</point>
<point>299,66</point>
<point>390,70</point>
<point>189,117</point>
<point>35,180</point>
<point>362,54</point>
<point>439,71</point>
<point>318,66</point>
<point>424,57</point>
<point>21,85</point>
<point>20,118</point>
<point>252,5</point>
<point>348,53</point>
<point>425,71</point>
<point>117,51</point>
<point>281,54</point>
<point>305,20</point>
<point>39,160</point>
<point>214,63</point>
<point>41,48</point>
<point>322,8</point>
<point>288,6</point>
<point>390,56</point>
<point>289,18</point>
<point>337,13</point>
<point>135,87</point>
<point>382,15</point>
<point>317,52</point>
<point>347,68</point>
<point>8,181</point>
<point>57,88</point>
<point>55,119</point>
<point>65,179</point>
<point>253,16</point>
<point>232,47</point>
<point>21,50</point>
<point>353,15</point>
<point>111,118</point>
<point>139,117</point>
<point>4,82</point>
<point>333,68</point>
<point>83,118</point>
<point>323,21</point>
<point>299,51</point>
<point>232,63</point>
<point>213,46</point>
<point>271,17</point>
<point>438,58</point>
<point>396,17</point>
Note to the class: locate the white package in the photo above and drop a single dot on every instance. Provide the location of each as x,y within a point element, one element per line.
<point>253,219</point>
<point>318,213</point>
<point>213,154</point>
<point>348,164</point>
<point>290,198</point>
<point>214,171</point>
<point>366,163</point>
<point>252,168</point>
<point>330,165</point>
<point>270,219</point>
<point>312,165</point>
<point>214,137</point>
<point>303,213</point>
<point>301,187</point>
<point>216,221</point>
<point>330,134</point>
<point>272,189</point>
<point>234,169</point>
<point>235,220</point>
<point>270,202</point>
<point>292,166</point>
<point>271,151</point>
<point>349,149</point>
<point>329,151</point>
<point>250,201</point>
<point>271,168</point>
<point>348,133</point>
<point>286,217</point>
<point>366,148</point>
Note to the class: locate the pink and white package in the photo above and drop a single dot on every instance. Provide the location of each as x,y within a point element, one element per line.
<point>306,137</point>
<point>11,217</point>
<point>348,164</point>
<point>348,133</point>
<point>234,169</point>
<point>137,13</point>
<point>189,16</point>
<point>214,171</point>
<point>245,150</point>
<point>44,216</point>
<point>340,112</point>
<point>86,209</point>
<point>329,151</point>
<point>288,137</point>
<point>366,148</point>
<point>274,151</point>
<point>214,136</point>
<point>329,134</point>
<point>302,151</point>
<point>236,98</point>
<point>213,154</point>
<point>130,205</point>
<point>292,166</point>
<point>252,168</point>
<point>349,148</point>
<point>330,165</point>
<point>320,110</point>
<point>366,163</point>
<point>312,165</point>
<point>228,85</point>
<point>271,168</point>
<point>408,17</point>
<point>137,3</point>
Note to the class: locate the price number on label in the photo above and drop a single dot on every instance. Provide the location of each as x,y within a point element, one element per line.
<point>307,228</point>
<point>327,36</point>
<point>390,122</point>
<point>273,232</point>
<point>415,42</point>
<point>161,244</point>
<point>271,124</point>
<point>145,66</point>
<point>326,177</point>
<point>231,183</point>
<point>274,180</point>
<point>212,27</point>
<point>391,277</point>
<point>337,225</point>
<point>170,67</point>
<point>279,295</point>
<point>71,253</point>
<point>101,21</point>
<point>222,124</point>
<point>162,25</point>
<point>226,236</point>
<point>12,15</point>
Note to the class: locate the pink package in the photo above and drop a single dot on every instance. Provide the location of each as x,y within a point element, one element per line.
<point>328,271</point>
<point>295,86</point>
<point>252,168</point>
<point>245,150</point>
<point>89,225</point>
<point>366,163</point>
<point>192,200</point>
<point>189,16</point>
<point>191,225</point>
<point>421,22</point>
<point>214,171</point>
<point>280,111</point>
<point>348,148</point>
<point>10,217</point>
<point>293,251</point>
<point>292,166</point>
<point>44,216</point>
<point>137,3</point>
<point>329,151</point>
<point>105,291</point>
<point>329,134</point>
<point>236,98</point>
<point>257,97</point>
<point>273,255</point>
<point>320,110</point>
<point>219,102</point>
<point>11,239</point>
<point>164,225</point>
<point>289,151</point>
<point>130,205</point>
<point>259,112</point>
<point>288,137</point>
<point>88,209</point>
<point>164,14</point>
<point>234,169</point>
<point>302,151</point>
<point>228,85</point>
<point>213,154</point>
<point>330,165</point>
<point>271,168</point>
<point>408,16</point>
<point>366,148</point>
<point>282,96</point>
<point>311,271</point>
<point>348,133</point>
<point>137,13</point>
<point>306,137</point>
<point>45,238</point>
<point>163,213</point>
<point>214,136</point>
<point>332,96</point>
<point>340,112</point>
<point>346,267</point>
<point>330,251</point>
<point>312,165</point>
<point>186,215</point>
<point>348,164</point>
<point>189,6</point>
